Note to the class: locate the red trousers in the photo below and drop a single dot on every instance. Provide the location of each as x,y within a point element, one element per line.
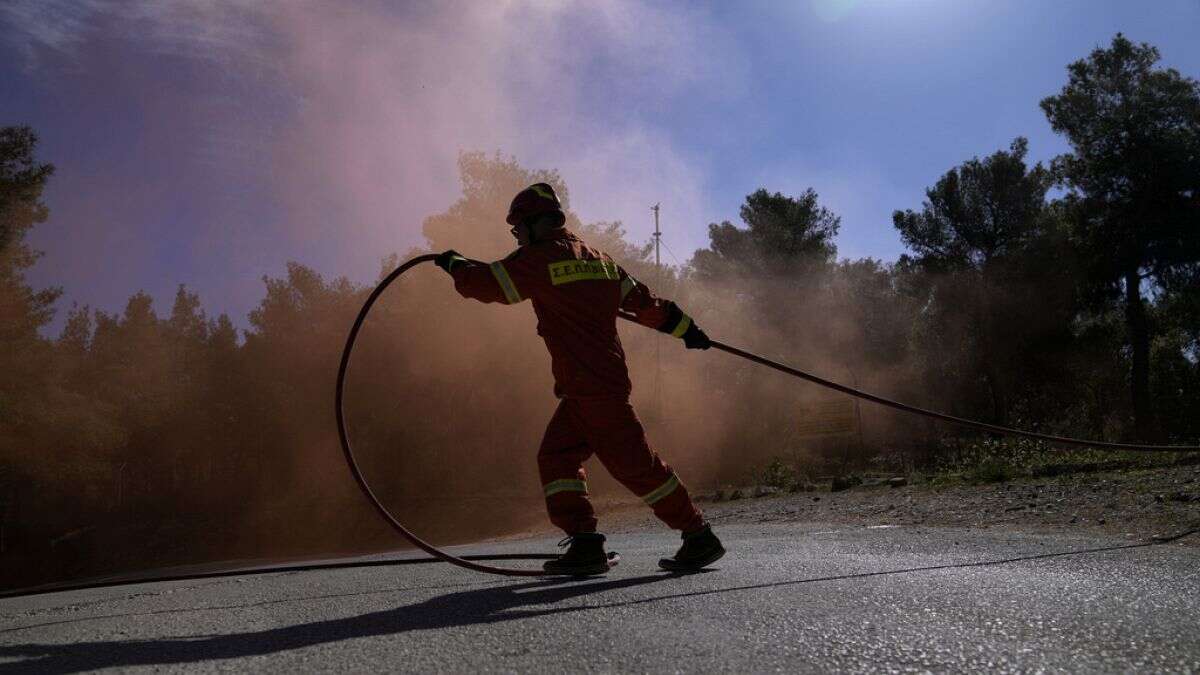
<point>610,429</point>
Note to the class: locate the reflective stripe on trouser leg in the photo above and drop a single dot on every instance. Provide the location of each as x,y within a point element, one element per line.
<point>564,485</point>
<point>661,491</point>
<point>616,435</point>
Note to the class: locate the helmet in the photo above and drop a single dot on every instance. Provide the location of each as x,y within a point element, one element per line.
<point>533,200</point>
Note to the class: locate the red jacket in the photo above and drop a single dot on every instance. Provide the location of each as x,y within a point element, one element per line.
<point>576,291</point>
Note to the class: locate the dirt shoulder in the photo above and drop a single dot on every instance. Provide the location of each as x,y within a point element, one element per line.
<point>1135,502</point>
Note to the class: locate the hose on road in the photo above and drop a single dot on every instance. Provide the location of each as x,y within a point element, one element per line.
<point>434,551</point>
<point>469,562</point>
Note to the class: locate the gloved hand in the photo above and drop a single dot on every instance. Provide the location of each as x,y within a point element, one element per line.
<point>694,338</point>
<point>444,258</point>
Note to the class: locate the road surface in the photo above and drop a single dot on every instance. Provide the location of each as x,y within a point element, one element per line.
<point>789,596</point>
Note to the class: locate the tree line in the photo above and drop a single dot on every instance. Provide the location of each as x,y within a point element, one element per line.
<point>1063,298</point>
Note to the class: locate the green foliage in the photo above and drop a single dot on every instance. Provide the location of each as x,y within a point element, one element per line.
<point>1179,306</point>
<point>24,355</point>
<point>1135,166</point>
<point>987,460</point>
<point>990,270</point>
<point>994,460</point>
<point>990,471</point>
<point>778,473</point>
<point>785,236</point>
<point>22,180</point>
<point>1175,376</point>
<point>978,213</point>
<point>1134,177</point>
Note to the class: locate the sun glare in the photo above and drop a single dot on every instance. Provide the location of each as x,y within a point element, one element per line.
<point>834,10</point>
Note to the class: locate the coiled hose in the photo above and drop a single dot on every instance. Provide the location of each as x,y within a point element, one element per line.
<point>467,561</point>
<point>434,551</point>
<point>358,477</point>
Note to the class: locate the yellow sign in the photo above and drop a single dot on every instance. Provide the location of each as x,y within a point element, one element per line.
<point>566,271</point>
<point>828,417</point>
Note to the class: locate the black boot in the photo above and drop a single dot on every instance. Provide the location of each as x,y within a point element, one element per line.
<point>585,557</point>
<point>700,549</point>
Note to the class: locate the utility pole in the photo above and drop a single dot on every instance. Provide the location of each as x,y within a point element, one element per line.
<point>657,238</point>
<point>657,340</point>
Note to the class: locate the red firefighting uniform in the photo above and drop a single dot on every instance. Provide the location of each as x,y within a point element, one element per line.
<point>576,291</point>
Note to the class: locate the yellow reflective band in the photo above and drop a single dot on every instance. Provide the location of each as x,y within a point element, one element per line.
<point>661,491</point>
<point>566,271</point>
<point>627,287</point>
<point>683,326</point>
<point>564,485</point>
<point>510,291</point>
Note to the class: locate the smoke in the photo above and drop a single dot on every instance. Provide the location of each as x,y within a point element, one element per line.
<point>726,418</point>
<point>392,98</point>
<point>325,133</point>
<point>334,135</point>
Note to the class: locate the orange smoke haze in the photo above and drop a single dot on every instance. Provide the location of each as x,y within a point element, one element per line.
<point>200,448</point>
<point>387,99</point>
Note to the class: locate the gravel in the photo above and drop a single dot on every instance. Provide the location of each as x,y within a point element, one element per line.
<point>1138,503</point>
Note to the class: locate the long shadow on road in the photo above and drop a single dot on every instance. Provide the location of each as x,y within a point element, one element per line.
<point>464,608</point>
<point>488,605</point>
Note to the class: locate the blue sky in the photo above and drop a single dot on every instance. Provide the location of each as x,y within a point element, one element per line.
<point>208,143</point>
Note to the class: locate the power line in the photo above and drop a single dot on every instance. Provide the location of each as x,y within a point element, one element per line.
<point>672,254</point>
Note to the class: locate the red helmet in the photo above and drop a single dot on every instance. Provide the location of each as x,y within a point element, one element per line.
<point>533,200</point>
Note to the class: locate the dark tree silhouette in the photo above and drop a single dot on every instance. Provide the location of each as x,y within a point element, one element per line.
<point>784,236</point>
<point>992,286</point>
<point>1134,181</point>
<point>24,355</point>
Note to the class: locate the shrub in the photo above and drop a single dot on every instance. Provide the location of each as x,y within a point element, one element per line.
<point>990,471</point>
<point>778,474</point>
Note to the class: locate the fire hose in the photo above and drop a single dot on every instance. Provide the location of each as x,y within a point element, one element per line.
<point>437,553</point>
<point>469,562</point>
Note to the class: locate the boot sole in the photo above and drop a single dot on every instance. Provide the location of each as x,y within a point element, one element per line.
<point>591,571</point>
<point>673,565</point>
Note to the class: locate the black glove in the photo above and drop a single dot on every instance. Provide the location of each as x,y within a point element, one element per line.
<point>444,258</point>
<point>694,338</point>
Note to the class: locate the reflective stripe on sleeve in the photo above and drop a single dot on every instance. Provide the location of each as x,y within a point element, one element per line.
<point>511,295</point>
<point>661,491</point>
<point>684,323</point>
<point>627,287</point>
<point>564,485</point>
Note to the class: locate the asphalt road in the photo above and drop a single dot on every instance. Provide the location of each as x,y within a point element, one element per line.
<point>795,597</point>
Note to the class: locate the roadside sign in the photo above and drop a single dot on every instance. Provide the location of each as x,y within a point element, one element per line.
<point>828,417</point>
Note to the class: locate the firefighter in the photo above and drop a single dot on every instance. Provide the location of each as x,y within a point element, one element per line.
<point>576,293</point>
